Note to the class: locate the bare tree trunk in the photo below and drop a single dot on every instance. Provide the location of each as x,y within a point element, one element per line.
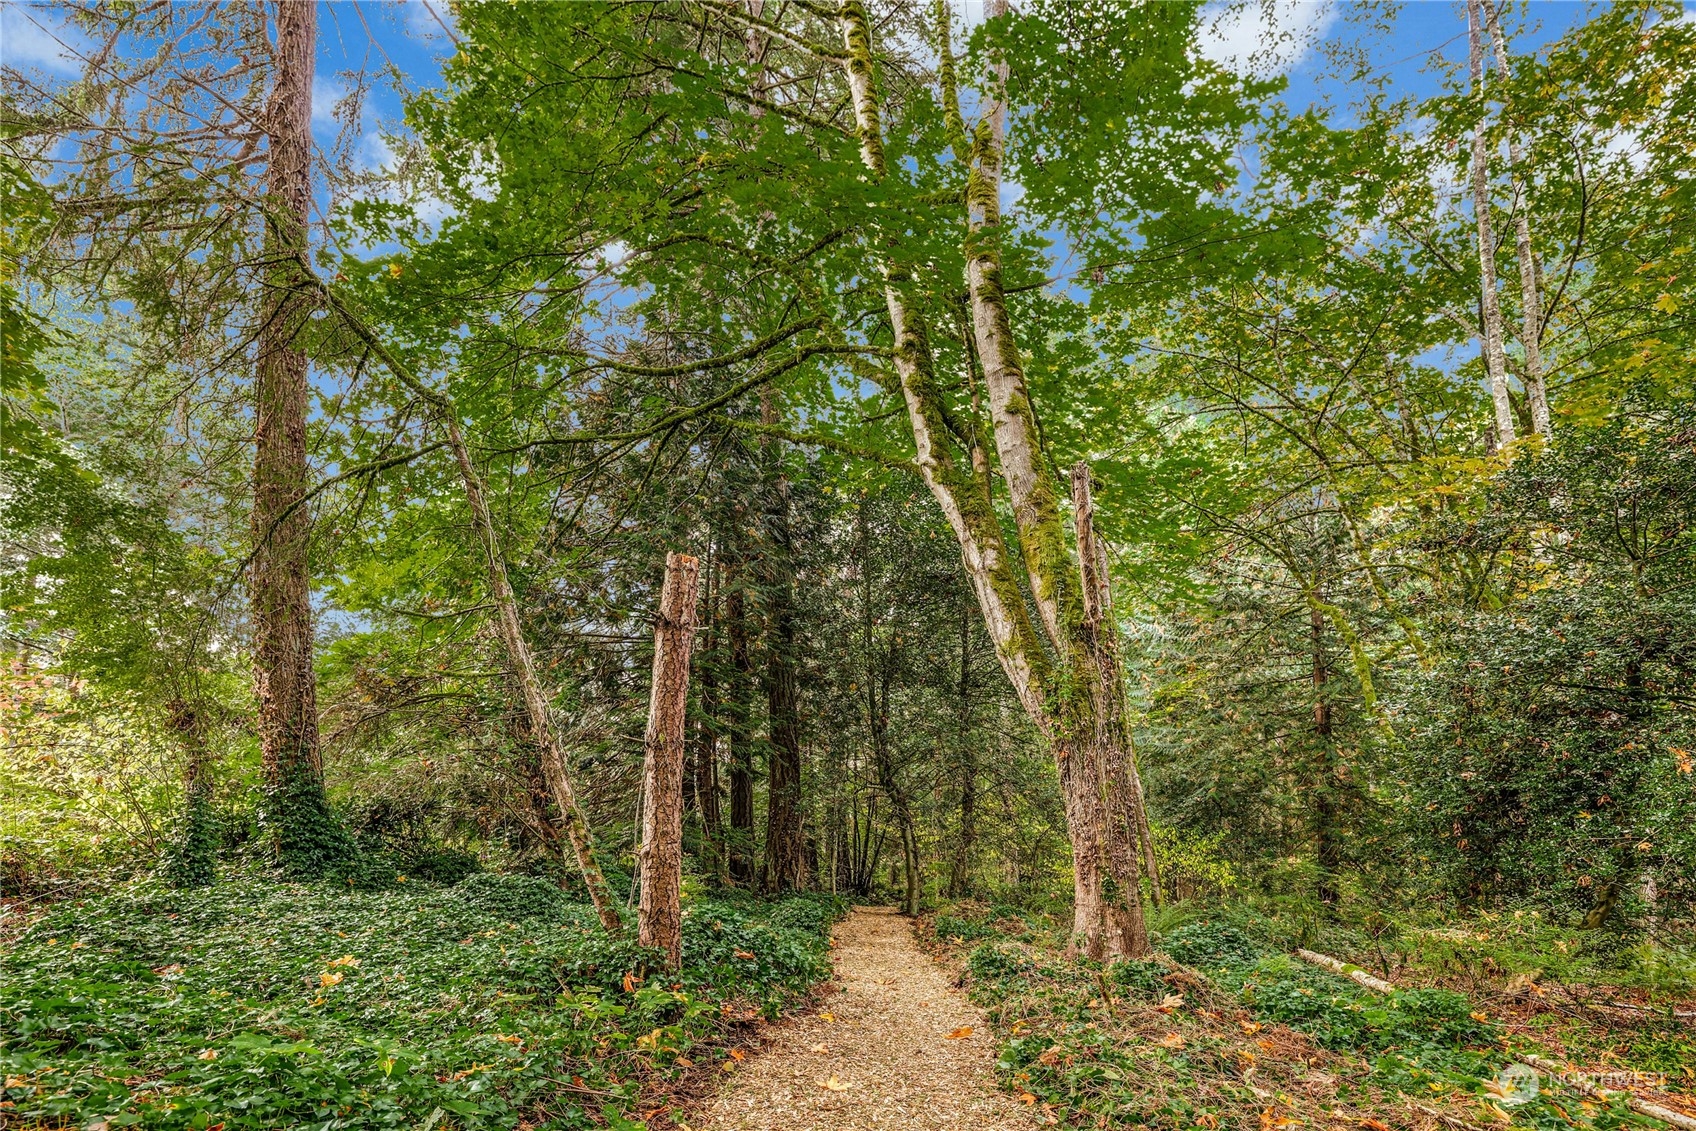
<point>785,856</point>
<point>518,653</point>
<point>305,837</point>
<point>1531,308</point>
<point>524,671</point>
<point>1495,362</point>
<point>660,865</point>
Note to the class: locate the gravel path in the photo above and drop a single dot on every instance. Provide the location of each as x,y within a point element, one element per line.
<point>878,1055</point>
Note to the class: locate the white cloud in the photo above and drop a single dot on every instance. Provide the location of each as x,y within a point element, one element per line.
<point>31,37</point>
<point>1263,38</point>
<point>325,94</point>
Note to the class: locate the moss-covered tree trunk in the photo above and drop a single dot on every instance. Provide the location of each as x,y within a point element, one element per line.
<point>1052,679</point>
<point>305,838</point>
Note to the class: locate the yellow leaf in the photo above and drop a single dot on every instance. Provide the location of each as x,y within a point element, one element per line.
<point>1666,304</point>
<point>507,1039</point>
<point>1171,1041</point>
<point>1479,1016</point>
<point>207,1054</point>
<point>960,1034</point>
<point>827,1017</point>
<point>345,960</point>
<point>329,979</point>
<point>1250,1027</point>
<point>834,1085</point>
<point>1026,1098</point>
<point>1683,757</point>
<point>394,270</point>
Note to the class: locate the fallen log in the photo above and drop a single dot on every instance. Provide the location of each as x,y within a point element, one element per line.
<point>1639,1105</point>
<point>1344,970</point>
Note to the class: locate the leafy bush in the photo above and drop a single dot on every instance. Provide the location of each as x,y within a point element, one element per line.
<point>1210,945</point>
<point>513,898</point>
<point>258,1004</point>
<point>988,962</point>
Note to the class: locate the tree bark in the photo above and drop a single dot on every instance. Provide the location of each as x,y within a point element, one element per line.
<point>305,837</point>
<point>1495,362</point>
<point>737,712</point>
<point>1531,307</point>
<point>1122,785</point>
<point>1101,919</point>
<point>785,856</point>
<point>704,772</point>
<point>960,872</point>
<point>660,865</point>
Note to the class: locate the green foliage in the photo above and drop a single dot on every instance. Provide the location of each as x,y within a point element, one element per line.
<point>258,1004</point>
<point>192,859</point>
<point>1210,945</point>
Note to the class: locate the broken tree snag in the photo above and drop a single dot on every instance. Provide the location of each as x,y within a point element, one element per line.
<point>660,910</point>
<point>1344,970</point>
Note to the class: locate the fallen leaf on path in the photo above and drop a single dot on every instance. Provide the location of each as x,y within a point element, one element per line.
<point>1171,1041</point>
<point>1250,1027</point>
<point>834,1085</point>
<point>1269,1118</point>
<point>738,1054</point>
<point>960,1034</point>
<point>827,1017</point>
<point>1026,1098</point>
<point>685,1062</point>
<point>1374,1125</point>
<point>821,1047</point>
<point>1172,1001</point>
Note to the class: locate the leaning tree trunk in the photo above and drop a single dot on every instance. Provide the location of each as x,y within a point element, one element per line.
<point>519,656</point>
<point>305,837</point>
<point>1495,362</point>
<point>660,865</point>
<point>1531,306</point>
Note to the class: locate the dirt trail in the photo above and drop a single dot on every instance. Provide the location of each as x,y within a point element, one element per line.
<point>886,1047</point>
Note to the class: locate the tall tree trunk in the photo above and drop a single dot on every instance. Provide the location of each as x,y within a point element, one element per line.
<point>660,864</point>
<point>305,837</point>
<point>785,857</point>
<point>737,718</point>
<point>1326,848</point>
<point>1490,310</point>
<point>960,871</point>
<point>1130,839</point>
<point>704,772</point>
<point>1101,918</point>
<point>1531,307</point>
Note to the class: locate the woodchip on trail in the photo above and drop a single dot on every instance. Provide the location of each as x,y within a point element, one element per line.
<point>887,1062</point>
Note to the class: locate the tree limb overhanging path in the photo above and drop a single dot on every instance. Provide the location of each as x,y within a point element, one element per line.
<point>899,1047</point>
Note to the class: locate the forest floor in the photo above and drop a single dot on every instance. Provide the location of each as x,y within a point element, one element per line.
<point>898,1045</point>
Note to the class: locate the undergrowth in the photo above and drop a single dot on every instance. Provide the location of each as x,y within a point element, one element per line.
<point>493,1003</point>
<point>1257,1038</point>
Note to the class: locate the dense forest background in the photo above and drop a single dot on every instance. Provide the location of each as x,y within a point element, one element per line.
<point>1380,408</point>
